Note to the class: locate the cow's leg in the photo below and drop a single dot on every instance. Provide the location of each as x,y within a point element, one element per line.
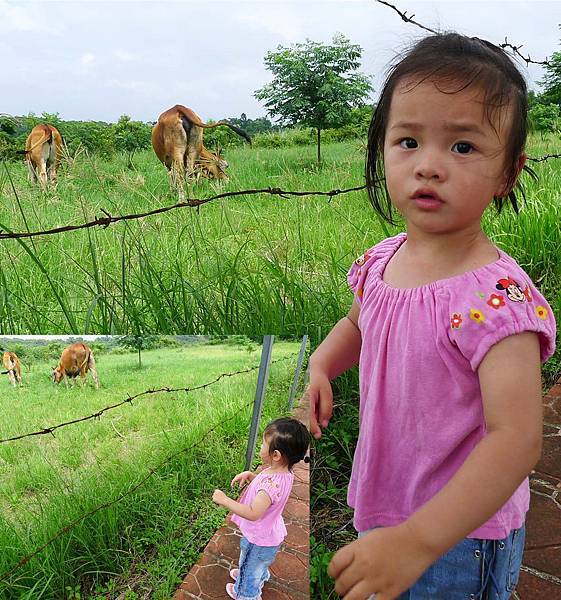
<point>190,161</point>
<point>32,171</point>
<point>43,174</point>
<point>12,377</point>
<point>177,176</point>
<point>94,372</point>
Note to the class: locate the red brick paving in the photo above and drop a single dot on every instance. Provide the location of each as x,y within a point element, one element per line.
<point>289,573</point>
<point>541,566</point>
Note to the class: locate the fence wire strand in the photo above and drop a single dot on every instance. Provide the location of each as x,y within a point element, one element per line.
<point>506,44</point>
<point>151,471</point>
<point>130,399</point>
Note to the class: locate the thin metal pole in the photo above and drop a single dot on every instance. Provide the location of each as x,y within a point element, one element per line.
<point>262,378</point>
<point>297,372</point>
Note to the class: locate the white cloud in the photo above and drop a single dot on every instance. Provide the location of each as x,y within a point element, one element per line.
<point>124,55</point>
<point>18,18</point>
<point>87,59</point>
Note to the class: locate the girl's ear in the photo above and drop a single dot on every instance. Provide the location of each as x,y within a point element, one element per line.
<point>276,455</point>
<point>504,192</point>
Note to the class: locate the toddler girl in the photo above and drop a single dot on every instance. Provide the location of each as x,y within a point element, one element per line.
<point>448,332</point>
<point>259,513</point>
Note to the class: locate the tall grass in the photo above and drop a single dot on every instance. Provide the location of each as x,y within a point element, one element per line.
<point>148,541</point>
<point>240,265</point>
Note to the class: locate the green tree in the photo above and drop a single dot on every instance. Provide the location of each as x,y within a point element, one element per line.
<point>314,84</point>
<point>131,136</point>
<point>139,343</point>
<point>552,81</point>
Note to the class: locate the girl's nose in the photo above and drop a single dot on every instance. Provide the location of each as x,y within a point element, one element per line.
<point>430,166</point>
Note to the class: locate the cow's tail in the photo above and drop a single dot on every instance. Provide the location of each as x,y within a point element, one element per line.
<point>234,128</point>
<point>86,360</point>
<point>48,138</point>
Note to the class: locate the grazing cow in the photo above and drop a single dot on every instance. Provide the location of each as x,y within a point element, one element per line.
<point>43,150</point>
<point>13,368</point>
<point>75,360</point>
<point>177,139</point>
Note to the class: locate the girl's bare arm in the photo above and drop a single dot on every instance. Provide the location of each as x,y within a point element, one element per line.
<point>510,382</point>
<point>338,352</point>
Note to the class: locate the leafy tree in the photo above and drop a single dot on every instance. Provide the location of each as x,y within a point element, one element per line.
<point>131,136</point>
<point>315,84</point>
<point>552,81</point>
<point>545,117</point>
<point>139,343</point>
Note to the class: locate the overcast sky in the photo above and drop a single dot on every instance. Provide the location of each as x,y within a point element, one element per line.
<point>97,60</point>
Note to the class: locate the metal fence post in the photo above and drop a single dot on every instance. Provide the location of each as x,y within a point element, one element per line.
<point>297,372</point>
<point>259,395</point>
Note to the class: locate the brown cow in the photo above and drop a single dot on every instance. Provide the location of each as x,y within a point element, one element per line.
<point>43,150</point>
<point>13,368</point>
<point>177,139</point>
<point>75,360</point>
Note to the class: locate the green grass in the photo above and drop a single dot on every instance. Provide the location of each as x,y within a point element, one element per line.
<point>238,265</point>
<point>149,540</point>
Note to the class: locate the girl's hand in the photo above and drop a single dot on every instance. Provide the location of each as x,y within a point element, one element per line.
<point>321,401</point>
<point>242,477</point>
<point>385,562</point>
<point>219,497</point>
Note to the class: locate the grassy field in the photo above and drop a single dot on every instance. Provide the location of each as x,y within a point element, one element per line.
<point>238,265</point>
<point>144,544</point>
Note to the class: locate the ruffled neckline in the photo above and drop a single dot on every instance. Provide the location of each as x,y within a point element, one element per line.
<point>400,239</point>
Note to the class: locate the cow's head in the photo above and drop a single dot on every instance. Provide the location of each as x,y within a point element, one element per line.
<point>57,374</point>
<point>211,165</point>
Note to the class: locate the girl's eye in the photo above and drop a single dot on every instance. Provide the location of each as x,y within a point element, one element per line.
<point>408,143</point>
<point>462,148</point>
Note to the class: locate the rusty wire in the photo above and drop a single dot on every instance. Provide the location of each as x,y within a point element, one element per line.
<point>151,471</point>
<point>506,44</point>
<point>129,400</point>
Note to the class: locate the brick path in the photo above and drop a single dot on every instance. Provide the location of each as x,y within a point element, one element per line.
<point>541,566</point>
<point>289,573</point>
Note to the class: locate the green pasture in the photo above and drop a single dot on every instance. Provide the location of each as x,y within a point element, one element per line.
<point>146,542</point>
<point>245,264</point>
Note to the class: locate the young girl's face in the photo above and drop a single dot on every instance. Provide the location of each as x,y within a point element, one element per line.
<point>264,452</point>
<point>444,161</point>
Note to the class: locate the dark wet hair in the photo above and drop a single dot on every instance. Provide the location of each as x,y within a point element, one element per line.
<point>461,61</point>
<point>290,437</point>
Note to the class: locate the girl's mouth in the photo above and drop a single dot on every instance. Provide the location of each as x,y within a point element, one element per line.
<point>427,199</point>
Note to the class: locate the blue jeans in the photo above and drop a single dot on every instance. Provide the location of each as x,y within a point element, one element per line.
<point>473,569</point>
<point>254,571</point>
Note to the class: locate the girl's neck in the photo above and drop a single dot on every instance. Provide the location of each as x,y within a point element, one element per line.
<point>448,249</point>
<point>278,469</point>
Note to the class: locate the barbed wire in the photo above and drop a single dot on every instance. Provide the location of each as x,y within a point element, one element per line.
<point>505,44</point>
<point>191,203</point>
<point>543,158</point>
<point>151,472</point>
<point>130,399</point>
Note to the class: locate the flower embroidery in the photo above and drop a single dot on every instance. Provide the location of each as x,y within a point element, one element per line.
<point>495,301</point>
<point>480,295</point>
<point>362,259</point>
<point>541,312</point>
<point>476,315</point>
<point>456,320</point>
<point>528,294</point>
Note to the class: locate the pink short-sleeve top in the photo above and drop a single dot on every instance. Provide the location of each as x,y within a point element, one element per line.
<point>421,412</point>
<point>270,529</point>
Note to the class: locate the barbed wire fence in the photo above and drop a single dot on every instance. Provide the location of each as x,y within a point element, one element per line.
<point>257,403</point>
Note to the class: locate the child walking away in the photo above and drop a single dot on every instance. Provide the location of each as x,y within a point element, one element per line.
<point>448,332</point>
<point>259,514</point>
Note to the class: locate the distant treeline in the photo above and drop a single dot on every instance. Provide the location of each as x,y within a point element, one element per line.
<point>126,135</point>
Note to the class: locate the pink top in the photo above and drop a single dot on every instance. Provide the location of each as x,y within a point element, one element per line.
<point>269,530</point>
<point>421,411</point>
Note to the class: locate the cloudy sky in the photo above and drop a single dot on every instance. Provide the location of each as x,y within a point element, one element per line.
<point>98,60</point>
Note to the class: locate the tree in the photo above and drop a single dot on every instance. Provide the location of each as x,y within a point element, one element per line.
<point>314,84</point>
<point>131,136</point>
<point>138,342</point>
<point>552,81</point>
